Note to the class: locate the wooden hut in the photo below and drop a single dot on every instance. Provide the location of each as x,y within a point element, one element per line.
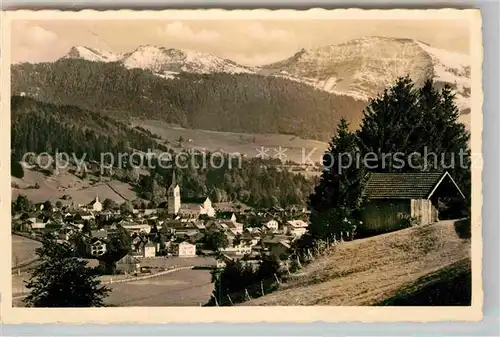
<point>397,199</point>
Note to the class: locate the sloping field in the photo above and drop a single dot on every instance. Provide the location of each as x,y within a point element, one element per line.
<point>369,271</point>
<point>23,250</point>
<point>451,285</point>
<point>244,143</point>
<point>81,191</point>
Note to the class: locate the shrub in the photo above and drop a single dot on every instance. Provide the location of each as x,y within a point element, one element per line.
<point>405,220</point>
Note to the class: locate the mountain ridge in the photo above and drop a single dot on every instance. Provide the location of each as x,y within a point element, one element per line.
<point>162,61</point>
<point>360,68</point>
<point>219,102</point>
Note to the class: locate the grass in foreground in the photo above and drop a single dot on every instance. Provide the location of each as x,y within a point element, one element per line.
<point>450,286</point>
<point>370,271</point>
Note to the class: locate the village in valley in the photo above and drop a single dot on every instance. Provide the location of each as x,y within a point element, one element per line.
<point>171,236</point>
<point>173,228</point>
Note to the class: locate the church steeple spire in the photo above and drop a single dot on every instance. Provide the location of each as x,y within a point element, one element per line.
<point>173,178</point>
<point>174,196</point>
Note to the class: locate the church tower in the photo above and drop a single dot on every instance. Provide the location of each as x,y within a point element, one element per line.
<point>174,197</point>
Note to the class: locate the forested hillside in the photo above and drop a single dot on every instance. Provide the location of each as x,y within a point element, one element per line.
<point>44,127</point>
<point>219,101</point>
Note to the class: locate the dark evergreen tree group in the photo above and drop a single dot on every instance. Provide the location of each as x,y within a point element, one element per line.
<point>240,279</point>
<point>256,182</point>
<point>405,129</point>
<point>45,127</point>
<point>62,279</point>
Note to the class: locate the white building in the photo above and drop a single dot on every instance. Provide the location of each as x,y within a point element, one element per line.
<point>191,210</point>
<point>296,227</point>
<point>239,249</point>
<point>97,248</point>
<point>149,250</point>
<point>173,197</point>
<point>185,249</point>
<point>95,205</point>
<point>207,209</point>
<point>272,225</point>
<point>194,210</point>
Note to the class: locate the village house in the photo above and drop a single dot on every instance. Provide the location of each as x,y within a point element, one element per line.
<point>184,229</point>
<point>57,216</point>
<point>215,225</point>
<point>133,227</point>
<point>68,217</point>
<point>62,236</point>
<point>396,197</point>
<point>136,243</point>
<point>200,225</point>
<point>183,249</point>
<point>234,227</point>
<point>272,225</point>
<point>228,216</point>
<point>53,226</point>
<point>149,249</point>
<point>65,234</point>
<point>37,226</point>
<point>296,228</point>
<point>196,238</point>
<point>37,222</point>
<point>128,264</point>
<point>96,247</point>
<point>105,215</point>
<point>280,248</point>
<point>83,215</point>
<point>241,248</point>
<point>149,211</point>
<point>250,238</point>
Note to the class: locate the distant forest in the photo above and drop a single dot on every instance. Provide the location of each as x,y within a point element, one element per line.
<point>219,101</point>
<point>44,127</point>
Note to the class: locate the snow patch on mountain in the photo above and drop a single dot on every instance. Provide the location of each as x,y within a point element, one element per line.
<point>452,68</point>
<point>169,75</point>
<point>363,67</point>
<point>360,68</point>
<point>163,62</point>
<point>92,54</point>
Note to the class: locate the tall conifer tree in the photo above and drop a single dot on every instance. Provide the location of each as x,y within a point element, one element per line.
<point>338,196</point>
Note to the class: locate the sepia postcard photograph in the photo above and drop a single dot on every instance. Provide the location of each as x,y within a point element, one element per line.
<point>326,162</point>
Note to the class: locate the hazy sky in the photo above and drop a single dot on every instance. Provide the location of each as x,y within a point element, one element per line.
<point>246,42</point>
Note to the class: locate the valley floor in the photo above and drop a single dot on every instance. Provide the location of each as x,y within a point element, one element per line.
<point>181,288</point>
